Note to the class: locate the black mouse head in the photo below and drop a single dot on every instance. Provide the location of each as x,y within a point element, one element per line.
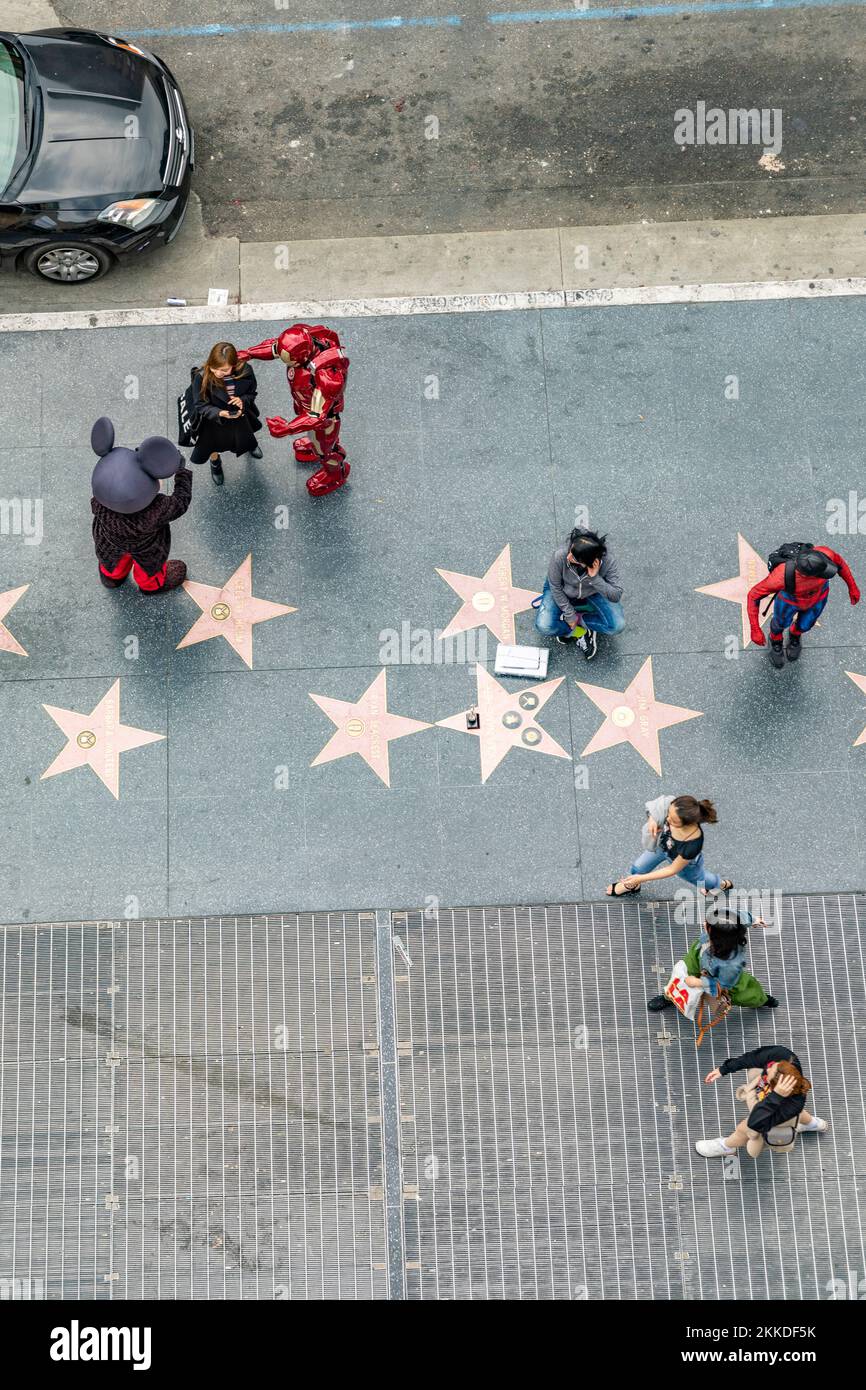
<point>127,480</point>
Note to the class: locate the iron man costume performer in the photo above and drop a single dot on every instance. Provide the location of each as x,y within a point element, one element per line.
<point>316,367</point>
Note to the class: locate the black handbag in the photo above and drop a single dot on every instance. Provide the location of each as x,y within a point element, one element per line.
<point>187,426</point>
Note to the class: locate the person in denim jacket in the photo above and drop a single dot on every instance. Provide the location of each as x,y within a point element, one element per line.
<point>717,961</point>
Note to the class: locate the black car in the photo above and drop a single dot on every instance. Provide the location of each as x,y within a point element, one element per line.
<point>96,153</point>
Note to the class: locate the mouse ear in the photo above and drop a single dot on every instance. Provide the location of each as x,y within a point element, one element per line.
<point>158,456</point>
<point>102,436</point>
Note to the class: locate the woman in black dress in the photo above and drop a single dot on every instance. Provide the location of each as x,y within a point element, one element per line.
<point>224,394</point>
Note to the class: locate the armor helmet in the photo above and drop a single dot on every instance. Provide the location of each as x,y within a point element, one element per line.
<point>295,345</point>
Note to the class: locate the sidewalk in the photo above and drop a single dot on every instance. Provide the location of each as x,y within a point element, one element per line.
<point>397,275</point>
<point>475,441</point>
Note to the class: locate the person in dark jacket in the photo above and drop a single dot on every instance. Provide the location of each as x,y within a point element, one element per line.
<point>131,516</point>
<point>225,413</point>
<point>780,1092</point>
<point>582,593</point>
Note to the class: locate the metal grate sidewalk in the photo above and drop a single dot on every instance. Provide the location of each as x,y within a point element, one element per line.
<point>291,1106</point>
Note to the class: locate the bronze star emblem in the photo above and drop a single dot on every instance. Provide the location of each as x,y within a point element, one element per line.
<point>8,600</point>
<point>365,727</point>
<point>507,719</point>
<point>97,739</point>
<point>634,716</point>
<point>752,568</point>
<point>231,611</point>
<point>490,601</point>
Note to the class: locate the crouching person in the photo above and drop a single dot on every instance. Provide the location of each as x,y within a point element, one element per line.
<point>775,1092</point>
<point>716,962</point>
<point>582,593</point>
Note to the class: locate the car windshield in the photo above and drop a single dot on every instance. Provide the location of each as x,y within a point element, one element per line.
<point>12,125</point>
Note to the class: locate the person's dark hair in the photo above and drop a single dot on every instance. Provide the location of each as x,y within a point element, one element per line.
<point>221,355</point>
<point>726,938</point>
<point>586,546</point>
<point>693,812</point>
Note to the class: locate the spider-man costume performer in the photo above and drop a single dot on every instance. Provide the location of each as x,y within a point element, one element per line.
<point>316,367</point>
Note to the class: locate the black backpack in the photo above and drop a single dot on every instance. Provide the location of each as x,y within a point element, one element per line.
<point>787,555</point>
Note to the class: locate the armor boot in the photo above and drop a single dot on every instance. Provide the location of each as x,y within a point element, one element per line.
<point>333,473</point>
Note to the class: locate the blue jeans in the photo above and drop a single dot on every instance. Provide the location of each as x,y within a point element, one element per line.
<point>695,872</point>
<point>784,614</point>
<point>601,615</point>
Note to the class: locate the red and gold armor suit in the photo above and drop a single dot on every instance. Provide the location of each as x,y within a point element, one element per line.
<point>316,368</point>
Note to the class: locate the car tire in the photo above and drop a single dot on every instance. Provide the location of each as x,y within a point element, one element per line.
<point>69,260</point>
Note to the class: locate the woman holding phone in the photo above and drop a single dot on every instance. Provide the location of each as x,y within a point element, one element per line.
<point>225,413</point>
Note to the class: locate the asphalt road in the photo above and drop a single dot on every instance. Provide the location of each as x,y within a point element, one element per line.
<point>316,133</point>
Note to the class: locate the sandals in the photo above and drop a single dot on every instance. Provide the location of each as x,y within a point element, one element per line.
<point>724,887</point>
<point>626,892</point>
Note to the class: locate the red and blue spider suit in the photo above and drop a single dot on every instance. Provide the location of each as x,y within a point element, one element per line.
<point>316,368</point>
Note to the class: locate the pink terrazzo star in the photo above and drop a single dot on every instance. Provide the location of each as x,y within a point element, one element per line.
<point>97,740</point>
<point>365,727</point>
<point>231,612</point>
<point>490,601</point>
<point>8,600</point>
<point>736,590</point>
<point>507,719</point>
<point>860,682</point>
<point>634,716</point>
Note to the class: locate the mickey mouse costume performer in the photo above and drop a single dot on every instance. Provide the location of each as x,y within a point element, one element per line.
<point>131,515</point>
<point>316,368</point>
<point>800,589</point>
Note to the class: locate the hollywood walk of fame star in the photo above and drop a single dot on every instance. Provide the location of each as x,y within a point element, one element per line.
<point>634,716</point>
<point>365,726</point>
<point>231,612</point>
<point>860,682</point>
<point>97,739</point>
<point>8,600</point>
<point>507,719</point>
<point>752,568</point>
<point>490,601</point>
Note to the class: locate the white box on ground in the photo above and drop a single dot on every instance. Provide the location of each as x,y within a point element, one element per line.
<point>218,298</point>
<point>521,661</point>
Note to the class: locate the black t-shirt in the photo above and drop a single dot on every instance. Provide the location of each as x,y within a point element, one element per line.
<point>687,849</point>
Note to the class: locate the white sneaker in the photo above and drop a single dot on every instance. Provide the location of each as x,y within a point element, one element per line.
<point>819,1127</point>
<point>711,1148</point>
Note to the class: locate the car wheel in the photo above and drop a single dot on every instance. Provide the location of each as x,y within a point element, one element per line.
<point>67,262</point>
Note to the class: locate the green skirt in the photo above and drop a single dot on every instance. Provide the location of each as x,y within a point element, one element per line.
<point>747,993</point>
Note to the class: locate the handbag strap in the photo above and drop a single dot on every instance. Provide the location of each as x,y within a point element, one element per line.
<point>713,1016</point>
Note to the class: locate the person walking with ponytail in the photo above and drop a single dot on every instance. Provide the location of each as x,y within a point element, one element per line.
<point>673,846</point>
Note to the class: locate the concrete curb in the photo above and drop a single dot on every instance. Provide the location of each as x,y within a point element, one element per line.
<point>437,304</point>
<point>565,267</point>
